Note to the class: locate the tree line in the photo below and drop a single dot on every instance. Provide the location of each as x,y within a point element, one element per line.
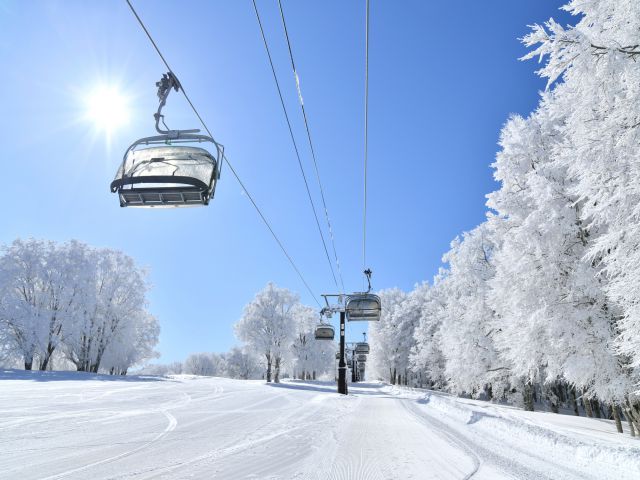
<point>85,306</point>
<point>540,301</point>
<point>237,363</point>
<point>276,332</point>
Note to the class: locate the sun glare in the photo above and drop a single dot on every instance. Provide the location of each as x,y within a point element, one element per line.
<point>107,108</point>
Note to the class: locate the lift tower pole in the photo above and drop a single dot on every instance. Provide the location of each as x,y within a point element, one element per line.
<point>354,366</point>
<point>342,366</point>
<point>329,310</point>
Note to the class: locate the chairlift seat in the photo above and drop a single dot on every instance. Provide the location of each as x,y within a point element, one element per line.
<point>363,307</point>
<point>166,176</point>
<point>362,358</point>
<point>324,332</point>
<point>362,347</point>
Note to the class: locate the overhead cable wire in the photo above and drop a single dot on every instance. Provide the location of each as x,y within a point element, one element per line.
<point>235,174</point>
<point>366,135</point>
<point>313,153</point>
<point>295,145</point>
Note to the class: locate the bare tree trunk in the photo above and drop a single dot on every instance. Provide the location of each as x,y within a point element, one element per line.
<point>314,375</point>
<point>562,392</point>
<point>553,398</point>
<point>276,376</point>
<point>527,395</point>
<point>595,405</point>
<point>268,368</point>
<point>574,403</point>
<point>616,416</point>
<point>47,356</point>
<point>587,406</point>
<point>632,412</point>
<point>632,431</point>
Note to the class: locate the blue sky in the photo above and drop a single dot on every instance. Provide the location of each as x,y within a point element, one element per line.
<point>444,77</point>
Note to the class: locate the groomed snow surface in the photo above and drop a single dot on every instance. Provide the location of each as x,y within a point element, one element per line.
<point>70,425</point>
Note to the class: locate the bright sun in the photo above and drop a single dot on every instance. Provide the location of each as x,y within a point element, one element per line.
<point>107,108</point>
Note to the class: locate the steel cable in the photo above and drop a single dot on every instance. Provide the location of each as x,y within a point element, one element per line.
<point>293,140</point>
<point>313,153</point>
<point>235,174</point>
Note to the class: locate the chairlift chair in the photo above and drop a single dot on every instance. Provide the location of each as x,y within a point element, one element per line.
<point>362,347</point>
<point>362,358</point>
<point>324,331</point>
<point>363,307</point>
<point>168,173</point>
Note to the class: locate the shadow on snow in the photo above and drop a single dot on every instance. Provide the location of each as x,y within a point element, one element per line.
<point>54,376</point>
<point>360,388</point>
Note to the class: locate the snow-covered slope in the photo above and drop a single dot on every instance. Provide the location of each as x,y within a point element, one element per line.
<point>68,425</point>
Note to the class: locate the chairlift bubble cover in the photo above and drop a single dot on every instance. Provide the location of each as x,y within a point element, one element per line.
<point>324,332</point>
<point>362,347</point>
<point>166,176</point>
<point>362,358</point>
<point>364,307</point>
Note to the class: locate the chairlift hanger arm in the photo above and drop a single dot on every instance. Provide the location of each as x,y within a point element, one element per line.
<point>168,82</point>
<point>165,84</point>
<point>368,273</point>
<point>331,309</point>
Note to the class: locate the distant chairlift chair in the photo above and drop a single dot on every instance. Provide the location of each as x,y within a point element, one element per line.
<point>324,331</point>
<point>168,174</point>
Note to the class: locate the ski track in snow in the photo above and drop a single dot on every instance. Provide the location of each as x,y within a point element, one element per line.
<point>212,428</point>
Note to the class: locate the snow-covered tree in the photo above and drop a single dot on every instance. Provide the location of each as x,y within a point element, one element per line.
<point>541,298</point>
<point>467,329</point>
<point>597,87</point>
<point>388,355</point>
<point>115,305</point>
<point>42,284</point>
<point>241,364</point>
<point>311,357</point>
<point>74,299</point>
<point>198,364</point>
<point>132,344</point>
<point>267,326</point>
<point>426,359</point>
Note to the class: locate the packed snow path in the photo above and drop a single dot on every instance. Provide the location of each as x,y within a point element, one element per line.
<point>74,426</point>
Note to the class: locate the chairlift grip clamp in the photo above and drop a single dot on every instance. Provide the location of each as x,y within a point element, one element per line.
<point>368,273</point>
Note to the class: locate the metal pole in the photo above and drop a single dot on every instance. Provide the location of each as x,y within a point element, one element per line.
<point>353,366</point>
<point>342,366</point>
